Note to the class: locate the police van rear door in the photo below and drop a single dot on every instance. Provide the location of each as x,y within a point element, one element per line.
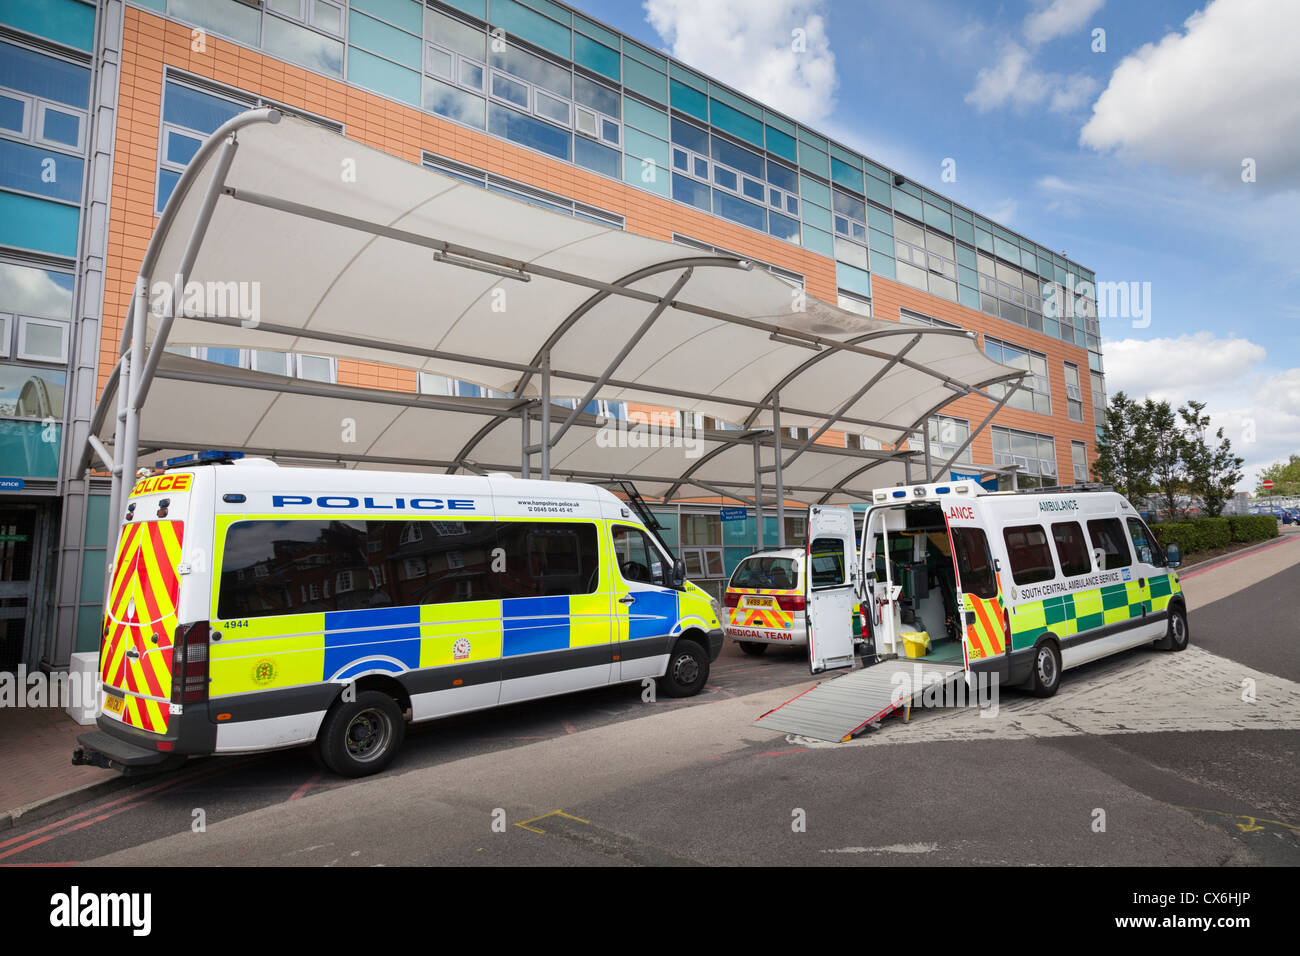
<point>831,570</point>
<point>141,610</point>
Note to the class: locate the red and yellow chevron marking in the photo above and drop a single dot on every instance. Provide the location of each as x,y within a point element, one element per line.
<point>142,617</point>
<point>987,636</point>
<point>773,617</point>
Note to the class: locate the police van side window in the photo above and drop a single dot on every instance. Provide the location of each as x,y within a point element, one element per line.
<point>1030,557</point>
<point>1071,548</point>
<point>314,565</point>
<point>638,560</point>
<point>1144,543</point>
<point>1108,535</point>
<point>974,563</point>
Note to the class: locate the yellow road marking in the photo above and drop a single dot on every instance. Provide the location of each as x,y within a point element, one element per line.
<point>553,813</point>
<point>1251,825</point>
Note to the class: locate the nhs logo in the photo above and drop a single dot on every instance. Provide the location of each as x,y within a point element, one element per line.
<point>1127,574</point>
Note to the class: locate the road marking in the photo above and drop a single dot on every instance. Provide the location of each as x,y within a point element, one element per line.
<point>553,813</point>
<point>1136,692</point>
<point>1250,824</point>
<point>302,791</point>
<point>892,848</point>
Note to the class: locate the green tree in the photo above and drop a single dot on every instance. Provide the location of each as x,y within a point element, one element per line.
<point>1168,451</point>
<point>1212,470</point>
<point>1285,475</point>
<point>1125,451</point>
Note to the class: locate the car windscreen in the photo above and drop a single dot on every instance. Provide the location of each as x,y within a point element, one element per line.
<point>770,572</point>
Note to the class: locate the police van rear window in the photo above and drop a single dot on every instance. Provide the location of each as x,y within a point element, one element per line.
<point>297,566</point>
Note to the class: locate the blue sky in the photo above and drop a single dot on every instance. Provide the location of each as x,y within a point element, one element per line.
<point>1128,158</point>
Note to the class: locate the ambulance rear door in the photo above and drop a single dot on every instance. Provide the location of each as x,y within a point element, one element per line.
<point>831,570</point>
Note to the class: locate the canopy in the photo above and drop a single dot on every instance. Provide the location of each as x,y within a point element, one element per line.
<point>283,235</point>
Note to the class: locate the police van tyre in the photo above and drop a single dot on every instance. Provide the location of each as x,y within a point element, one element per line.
<point>1177,636</point>
<point>1046,675</point>
<point>360,737</point>
<point>753,648</point>
<point>688,669</point>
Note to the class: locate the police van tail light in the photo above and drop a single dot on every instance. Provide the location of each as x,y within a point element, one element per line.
<point>791,602</point>
<point>731,599</point>
<point>191,663</point>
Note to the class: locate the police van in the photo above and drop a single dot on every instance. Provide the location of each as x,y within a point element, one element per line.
<point>255,607</point>
<point>1023,585</point>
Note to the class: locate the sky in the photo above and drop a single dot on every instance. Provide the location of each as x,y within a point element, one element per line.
<point>1157,143</point>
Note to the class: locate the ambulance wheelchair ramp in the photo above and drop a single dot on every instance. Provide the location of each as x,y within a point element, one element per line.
<point>838,708</point>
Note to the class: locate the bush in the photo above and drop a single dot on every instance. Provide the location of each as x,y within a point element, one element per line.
<point>1253,527</point>
<point>1198,534</point>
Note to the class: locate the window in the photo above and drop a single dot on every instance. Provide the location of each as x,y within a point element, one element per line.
<point>1108,535</point>
<point>974,563</point>
<point>925,260</point>
<point>1071,548</point>
<point>1144,542</point>
<point>1033,454</point>
<point>1030,557</point>
<point>1079,459</point>
<point>547,559</point>
<point>771,573</point>
<point>42,340</point>
<point>315,368</point>
<point>827,563</point>
<point>908,317</point>
<point>191,112</point>
<point>639,561</point>
<point>517,190</point>
<point>1035,392</point>
<point>43,99</point>
<point>1073,392</point>
<point>793,278</point>
<point>947,434</point>
<point>304,40</point>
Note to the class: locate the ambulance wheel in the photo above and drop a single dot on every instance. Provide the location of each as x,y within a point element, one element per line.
<point>360,737</point>
<point>753,648</point>
<point>688,669</point>
<point>1046,675</point>
<point>1177,636</point>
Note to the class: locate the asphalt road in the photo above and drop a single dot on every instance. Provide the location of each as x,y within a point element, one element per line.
<point>1144,758</point>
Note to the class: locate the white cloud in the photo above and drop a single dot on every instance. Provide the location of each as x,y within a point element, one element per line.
<point>1204,100</point>
<point>1258,408</point>
<point>1013,80</point>
<point>753,46</point>
<point>1059,18</point>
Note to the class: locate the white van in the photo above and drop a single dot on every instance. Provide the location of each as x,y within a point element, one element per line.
<point>254,607</point>
<point>1021,584</point>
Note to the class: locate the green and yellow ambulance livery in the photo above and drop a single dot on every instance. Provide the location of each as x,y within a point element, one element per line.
<point>1023,585</point>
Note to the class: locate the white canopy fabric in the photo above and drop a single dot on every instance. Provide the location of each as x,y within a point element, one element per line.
<point>349,252</point>
<point>196,405</point>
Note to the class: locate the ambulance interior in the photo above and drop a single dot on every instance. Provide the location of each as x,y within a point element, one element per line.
<point>912,552</point>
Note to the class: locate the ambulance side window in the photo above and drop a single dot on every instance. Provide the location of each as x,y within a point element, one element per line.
<point>974,563</point>
<point>827,563</point>
<point>1144,542</point>
<point>1030,557</point>
<point>1108,534</point>
<point>1071,548</point>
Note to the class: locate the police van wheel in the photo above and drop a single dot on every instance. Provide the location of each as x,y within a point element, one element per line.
<point>1177,636</point>
<point>360,737</point>
<point>688,670</point>
<point>753,648</point>
<point>1046,675</point>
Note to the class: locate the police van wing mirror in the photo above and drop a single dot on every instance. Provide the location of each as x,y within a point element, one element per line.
<point>679,573</point>
<point>1173,555</point>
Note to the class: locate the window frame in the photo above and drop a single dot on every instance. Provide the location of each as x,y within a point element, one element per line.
<point>24,322</point>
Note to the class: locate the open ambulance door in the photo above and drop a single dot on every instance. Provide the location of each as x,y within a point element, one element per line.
<point>831,570</point>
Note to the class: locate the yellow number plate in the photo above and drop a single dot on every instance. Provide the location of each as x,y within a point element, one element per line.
<point>760,602</point>
<point>113,704</point>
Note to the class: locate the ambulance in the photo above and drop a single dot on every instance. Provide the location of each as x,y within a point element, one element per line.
<point>1024,585</point>
<point>765,602</point>
<point>255,607</point>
